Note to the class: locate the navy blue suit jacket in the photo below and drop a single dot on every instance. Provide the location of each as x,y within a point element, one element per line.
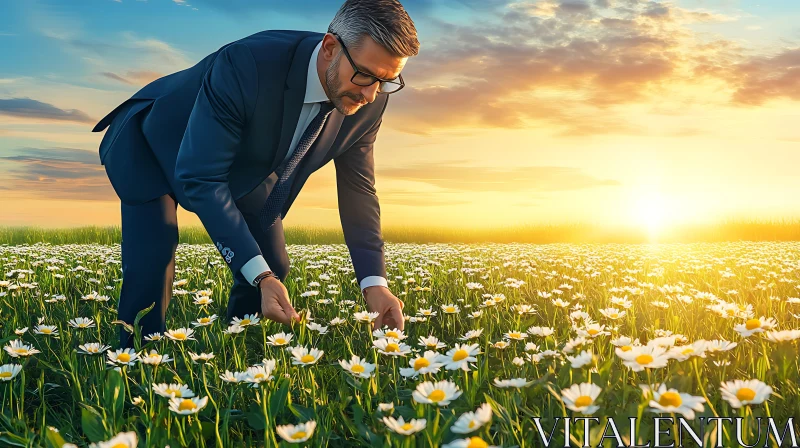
<point>213,134</point>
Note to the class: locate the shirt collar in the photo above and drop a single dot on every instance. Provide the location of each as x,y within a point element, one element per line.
<point>314,91</point>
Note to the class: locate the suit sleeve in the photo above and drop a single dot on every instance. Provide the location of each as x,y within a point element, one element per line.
<point>359,209</point>
<point>225,103</point>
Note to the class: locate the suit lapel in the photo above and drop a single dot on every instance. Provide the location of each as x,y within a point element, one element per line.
<point>294,94</point>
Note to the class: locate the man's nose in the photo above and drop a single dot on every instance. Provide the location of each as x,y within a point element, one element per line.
<point>371,92</point>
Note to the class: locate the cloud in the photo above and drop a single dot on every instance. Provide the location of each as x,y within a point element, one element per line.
<point>56,173</point>
<point>134,77</point>
<point>456,177</point>
<point>30,108</point>
<point>762,78</point>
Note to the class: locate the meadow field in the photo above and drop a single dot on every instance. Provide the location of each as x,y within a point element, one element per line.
<point>501,341</point>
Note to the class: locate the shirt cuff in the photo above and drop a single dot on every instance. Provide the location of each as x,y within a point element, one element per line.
<point>373,280</point>
<point>252,268</point>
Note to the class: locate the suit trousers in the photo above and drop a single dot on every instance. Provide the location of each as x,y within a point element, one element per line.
<point>149,241</point>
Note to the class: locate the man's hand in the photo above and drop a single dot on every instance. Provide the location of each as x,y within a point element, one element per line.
<point>380,299</point>
<point>275,303</point>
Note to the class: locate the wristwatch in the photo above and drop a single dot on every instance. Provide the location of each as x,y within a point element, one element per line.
<point>263,275</point>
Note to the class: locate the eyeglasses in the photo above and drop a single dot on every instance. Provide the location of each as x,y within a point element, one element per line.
<point>362,79</point>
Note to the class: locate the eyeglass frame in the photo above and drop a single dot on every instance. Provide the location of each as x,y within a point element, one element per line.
<point>376,79</point>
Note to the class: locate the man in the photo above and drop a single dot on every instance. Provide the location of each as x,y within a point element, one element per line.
<point>234,138</point>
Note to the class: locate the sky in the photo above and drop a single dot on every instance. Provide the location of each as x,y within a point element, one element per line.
<point>514,112</point>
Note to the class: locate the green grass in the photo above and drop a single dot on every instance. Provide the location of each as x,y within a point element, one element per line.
<point>731,230</point>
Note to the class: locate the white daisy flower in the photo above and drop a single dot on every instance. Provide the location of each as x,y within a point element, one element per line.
<point>581,397</point>
<point>460,356</point>
<point>9,371</point>
<point>81,322</point>
<point>472,421</point>
<point>672,401</point>
<point>740,393</point>
<point>92,348</point>
<point>517,383</point>
<point>422,365</point>
<point>391,347</point>
<point>187,406</point>
<point>400,426</point>
<point>122,357</point>
<point>180,334</point>
<point>358,367</point>
<point>248,319</point>
<point>303,356</point>
<point>172,390</point>
<point>296,433</point>
<point>440,393</point>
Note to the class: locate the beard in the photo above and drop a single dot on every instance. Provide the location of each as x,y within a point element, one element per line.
<point>334,85</point>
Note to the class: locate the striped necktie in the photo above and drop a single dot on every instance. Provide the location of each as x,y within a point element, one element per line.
<point>274,204</point>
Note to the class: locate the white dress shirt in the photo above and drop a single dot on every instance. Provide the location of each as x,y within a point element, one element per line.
<point>315,94</point>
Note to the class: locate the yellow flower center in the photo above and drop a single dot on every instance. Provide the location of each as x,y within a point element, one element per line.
<point>583,400</point>
<point>421,363</point>
<point>120,445</point>
<point>687,350</point>
<point>259,376</point>
<point>187,405</point>
<point>357,368</point>
<point>752,324</point>
<point>626,348</point>
<point>392,334</point>
<point>204,320</point>
<point>670,399</point>
<point>244,322</point>
<point>21,350</point>
<point>614,315</point>
<point>124,357</point>
<point>471,424</point>
<point>459,355</point>
<point>298,435</point>
<point>644,359</point>
<point>407,427</point>
<point>46,330</point>
<point>392,347</point>
<point>436,396</point>
<point>450,309</point>
<point>745,394</point>
<point>477,442</point>
<point>514,335</point>
<point>280,341</point>
<point>5,374</point>
<point>307,358</point>
<point>179,336</point>
<point>177,392</point>
<point>593,332</point>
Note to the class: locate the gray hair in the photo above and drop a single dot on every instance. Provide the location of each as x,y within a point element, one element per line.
<point>385,21</point>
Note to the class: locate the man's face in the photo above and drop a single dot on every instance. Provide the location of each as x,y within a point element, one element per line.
<point>370,58</point>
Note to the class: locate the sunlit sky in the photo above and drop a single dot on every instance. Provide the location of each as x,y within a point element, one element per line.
<point>608,111</point>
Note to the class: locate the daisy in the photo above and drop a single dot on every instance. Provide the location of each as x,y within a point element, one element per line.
<point>644,357</point>
<point>613,313</point>
<point>202,357</point>
<point>450,309</point>
<point>515,335</point>
<point>296,433</point>
<point>123,357</point>
<point>203,300</point>
<point>782,336</point>
<point>81,322</point>
<point>233,329</point>
<point>440,393</point>
<point>471,334</point>
<point>154,337</point>
<point>593,330</point>
<point>21,331</point>
<point>514,382</point>
<point>121,440</point>
<point>684,352</point>
<point>173,390</point>
<point>386,408</point>
<point>541,331</point>
<point>752,326</point>
<point>582,359</point>
<point>500,345</point>
<point>431,342</point>
<point>391,347</point>
<point>9,371</point>
<point>47,330</point>
<point>472,442</point>
<point>186,406</point>
<point>741,393</point>
<point>204,321</point>
<point>92,348</point>
<point>365,317</point>
<point>153,358</point>
<point>233,377</point>
<point>716,346</point>
<point>393,333</point>
<point>672,401</point>
<point>337,321</point>
<point>400,426</point>
<point>313,326</point>
<point>180,334</point>
<point>256,375</point>
<point>460,356</point>
<point>248,319</point>
<point>304,356</point>
<point>421,365</point>
<point>426,312</point>
<point>279,339</point>
<point>358,367</point>
<point>472,421</point>
<point>581,397</point>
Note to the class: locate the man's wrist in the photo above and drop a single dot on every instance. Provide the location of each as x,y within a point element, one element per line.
<point>264,275</point>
